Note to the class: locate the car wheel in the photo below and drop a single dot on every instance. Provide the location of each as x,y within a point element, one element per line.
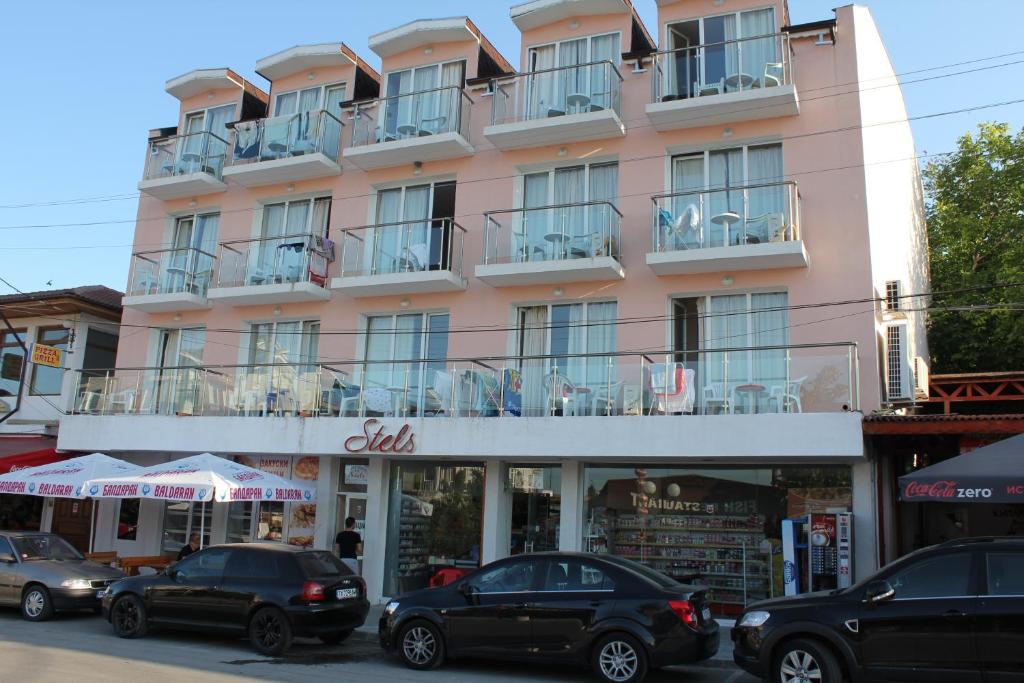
<point>619,658</point>
<point>336,637</point>
<point>36,604</point>
<point>420,645</point>
<point>806,661</point>
<point>128,617</point>
<point>269,632</point>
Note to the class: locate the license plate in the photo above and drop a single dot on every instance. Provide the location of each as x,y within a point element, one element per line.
<point>346,593</point>
<point>706,614</point>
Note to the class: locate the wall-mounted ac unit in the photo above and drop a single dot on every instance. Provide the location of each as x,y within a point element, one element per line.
<point>899,371</point>
<point>920,378</point>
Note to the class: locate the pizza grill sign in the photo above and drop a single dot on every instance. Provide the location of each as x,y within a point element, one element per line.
<point>375,439</point>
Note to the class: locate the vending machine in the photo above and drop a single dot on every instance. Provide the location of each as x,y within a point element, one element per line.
<point>817,552</point>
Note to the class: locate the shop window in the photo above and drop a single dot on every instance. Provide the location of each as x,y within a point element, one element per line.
<point>20,513</point>
<point>12,359</point>
<point>1005,573</point>
<point>128,519</point>
<point>46,381</point>
<point>181,520</point>
<point>721,527</point>
<point>536,507</point>
<point>939,577</point>
<point>434,521</point>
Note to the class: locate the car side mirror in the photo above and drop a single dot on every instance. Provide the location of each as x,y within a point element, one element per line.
<point>7,558</point>
<point>879,591</point>
<point>467,590</point>
<point>171,573</point>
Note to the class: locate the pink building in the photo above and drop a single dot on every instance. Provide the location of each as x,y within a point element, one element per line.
<point>588,290</point>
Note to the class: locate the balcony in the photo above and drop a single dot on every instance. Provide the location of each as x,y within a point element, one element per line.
<point>752,227</point>
<point>738,80</point>
<point>285,149</point>
<point>185,166</point>
<point>556,106</point>
<point>552,245</point>
<point>169,280</point>
<point>273,270</point>
<point>402,258</point>
<point>429,125</point>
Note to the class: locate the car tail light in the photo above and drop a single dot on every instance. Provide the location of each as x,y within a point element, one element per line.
<point>312,592</point>
<point>686,612</point>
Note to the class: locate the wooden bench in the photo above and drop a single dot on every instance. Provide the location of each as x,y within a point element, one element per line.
<point>131,565</point>
<point>108,558</point>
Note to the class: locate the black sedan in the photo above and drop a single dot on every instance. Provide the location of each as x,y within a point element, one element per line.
<point>272,592</point>
<point>617,616</point>
<point>952,612</point>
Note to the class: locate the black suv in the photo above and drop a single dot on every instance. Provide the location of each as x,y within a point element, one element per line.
<point>952,612</point>
<point>272,592</point>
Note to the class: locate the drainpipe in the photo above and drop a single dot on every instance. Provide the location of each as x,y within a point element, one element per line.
<point>24,365</point>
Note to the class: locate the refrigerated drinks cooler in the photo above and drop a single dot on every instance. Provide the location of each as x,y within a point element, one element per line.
<point>817,552</point>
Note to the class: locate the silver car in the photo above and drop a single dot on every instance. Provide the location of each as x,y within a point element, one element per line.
<point>42,573</point>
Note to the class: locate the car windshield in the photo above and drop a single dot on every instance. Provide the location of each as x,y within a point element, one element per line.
<point>44,547</point>
<point>645,571</point>
<point>321,565</point>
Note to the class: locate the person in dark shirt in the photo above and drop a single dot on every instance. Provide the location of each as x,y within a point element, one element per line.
<point>350,545</point>
<point>190,547</point>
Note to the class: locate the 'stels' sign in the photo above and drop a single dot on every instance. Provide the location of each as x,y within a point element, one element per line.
<point>376,440</point>
<point>49,356</point>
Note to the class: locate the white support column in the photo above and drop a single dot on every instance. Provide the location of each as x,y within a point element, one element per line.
<point>375,538</point>
<point>497,513</point>
<point>326,503</point>
<point>571,522</point>
<point>865,530</point>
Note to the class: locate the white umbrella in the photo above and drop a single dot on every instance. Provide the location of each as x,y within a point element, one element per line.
<point>202,478</point>
<point>66,479</point>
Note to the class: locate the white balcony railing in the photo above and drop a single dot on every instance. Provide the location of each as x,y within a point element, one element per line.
<point>404,247</point>
<point>183,155</point>
<point>556,92</point>
<point>819,378</point>
<point>559,232</point>
<point>170,271</point>
<point>273,260</point>
<point>288,136</point>
<point>410,116</point>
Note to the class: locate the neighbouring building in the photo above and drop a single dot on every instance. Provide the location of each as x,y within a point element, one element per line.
<point>492,309</point>
<point>83,323</point>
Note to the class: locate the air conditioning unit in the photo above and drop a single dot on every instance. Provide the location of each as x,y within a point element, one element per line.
<point>921,380</point>
<point>899,374</point>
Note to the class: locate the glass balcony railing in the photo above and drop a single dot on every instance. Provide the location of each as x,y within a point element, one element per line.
<point>748,214</point>
<point>171,271</point>
<point>719,68</point>
<point>412,115</point>
<point>552,233</point>
<point>406,247</point>
<point>820,378</point>
<point>274,260</point>
<point>577,89</point>
<point>179,155</point>
<point>283,137</point>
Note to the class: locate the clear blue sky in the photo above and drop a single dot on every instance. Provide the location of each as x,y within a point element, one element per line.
<point>83,83</point>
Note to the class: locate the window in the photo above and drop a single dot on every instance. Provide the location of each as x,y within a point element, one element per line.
<point>128,519</point>
<point>181,520</point>
<point>176,386</point>
<point>558,220</point>
<point>248,564</point>
<point>309,99</point>
<point>284,374</point>
<point>574,575</point>
<point>423,101</point>
<point>1005,573</point>
<point>205,142</point>
<point>730,197</point>
<point>12,359</point>
<point>413,230</point>
<point>413,337</point>
<point>513,577</point>
<point>946,576</point>
<point>893,295</point>
<point>5,547</point>
<point>318,565</point>
<point>189,265</point>
<point>205,564</point>
<point>46,381</point>
<point>573,76</point>
<point>285,250</point>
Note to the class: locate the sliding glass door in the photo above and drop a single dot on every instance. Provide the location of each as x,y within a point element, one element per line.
<point>570,229</point>
<point>565,78</point>
<point>414,230</point>
<point>422,101</point>
<point>177,385</point>
<point>418,381</point>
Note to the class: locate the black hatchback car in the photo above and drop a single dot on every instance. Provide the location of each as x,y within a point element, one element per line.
<point>617,616</point>
<point>952,612</point>
<point>272,592</point>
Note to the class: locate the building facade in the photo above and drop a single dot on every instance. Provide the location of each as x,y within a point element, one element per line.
<point>491,310</point>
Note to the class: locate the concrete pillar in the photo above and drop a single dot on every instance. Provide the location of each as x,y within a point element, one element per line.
<point>375,539</point>
<point>865,530</point>
<point>571,524</point>
<point>326,504</point>
<point>497,512</point>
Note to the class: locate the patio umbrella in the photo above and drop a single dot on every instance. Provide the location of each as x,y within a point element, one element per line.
<point>65,479</point>
<point>201,479</point>
<point>991,474</point>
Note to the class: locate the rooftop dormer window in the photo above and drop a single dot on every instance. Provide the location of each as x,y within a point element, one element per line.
<point>572,76</point>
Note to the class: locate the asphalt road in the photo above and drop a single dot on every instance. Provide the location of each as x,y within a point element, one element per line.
<point>82,648</point>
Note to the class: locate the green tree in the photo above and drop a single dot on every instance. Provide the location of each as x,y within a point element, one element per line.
<point>975,216</point>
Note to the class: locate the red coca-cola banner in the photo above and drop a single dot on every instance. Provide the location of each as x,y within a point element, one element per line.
<point>936,489</point>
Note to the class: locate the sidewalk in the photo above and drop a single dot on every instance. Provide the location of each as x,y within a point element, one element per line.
<point>368,631</point>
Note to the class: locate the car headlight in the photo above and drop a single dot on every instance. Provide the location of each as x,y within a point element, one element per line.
<point>76,584</point>
<point>754,619</point>
<point>391,607</point>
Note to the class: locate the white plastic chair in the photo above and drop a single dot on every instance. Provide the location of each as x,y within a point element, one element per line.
<point>774,73</point>
<point>561,393</point>
<point>716,397</point>
<point>787,398</point>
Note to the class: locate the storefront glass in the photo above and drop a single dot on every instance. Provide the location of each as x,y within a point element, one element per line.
<point>435,512</point>
<point>20,513</point>
<point>181,520</point>
<point>721,527</point>
<point>352,479</point>
<point>536,507</point>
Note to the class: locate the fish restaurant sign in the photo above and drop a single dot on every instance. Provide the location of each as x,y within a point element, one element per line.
<point>375,439</point>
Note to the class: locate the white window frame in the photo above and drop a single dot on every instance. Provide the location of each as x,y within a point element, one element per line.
<point>323,88</point>
<point>261,225</point>
<point>531,49</point>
